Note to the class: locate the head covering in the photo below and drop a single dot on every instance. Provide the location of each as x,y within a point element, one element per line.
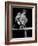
<point>24,11</point>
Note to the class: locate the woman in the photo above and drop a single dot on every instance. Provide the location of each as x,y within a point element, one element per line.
<point>21,20</point>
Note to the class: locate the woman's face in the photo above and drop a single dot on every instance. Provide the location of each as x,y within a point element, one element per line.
<point>24,13</point>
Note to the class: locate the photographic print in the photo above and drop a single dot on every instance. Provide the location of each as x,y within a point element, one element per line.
<point>21,22</point>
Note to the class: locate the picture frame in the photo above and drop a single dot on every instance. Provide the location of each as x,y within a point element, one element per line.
<point>24,33</point>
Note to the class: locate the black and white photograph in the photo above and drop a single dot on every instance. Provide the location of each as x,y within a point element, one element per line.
<point>22,22</point>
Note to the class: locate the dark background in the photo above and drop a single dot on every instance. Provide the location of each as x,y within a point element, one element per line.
<point>28,15</point>
<point>20,33</point>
